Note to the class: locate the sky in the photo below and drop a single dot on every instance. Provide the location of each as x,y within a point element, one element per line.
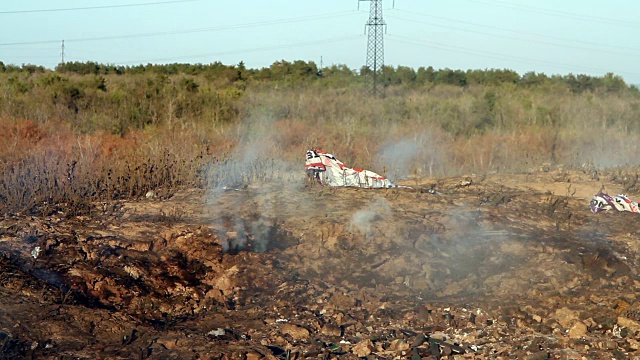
<point>591,37</point>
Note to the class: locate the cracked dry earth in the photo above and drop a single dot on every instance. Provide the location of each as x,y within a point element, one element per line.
<point>507,266</point>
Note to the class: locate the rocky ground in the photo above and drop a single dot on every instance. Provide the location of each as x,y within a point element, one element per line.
<point>492,267</point>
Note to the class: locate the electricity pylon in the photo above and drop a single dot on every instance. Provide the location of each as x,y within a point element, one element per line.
<point>375,29</point>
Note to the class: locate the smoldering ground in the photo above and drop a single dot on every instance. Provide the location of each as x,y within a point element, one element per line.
<point>433,245</point>
<point>491,245</point>
<point>257,207</point>
<point>254,173</point>
<point>363,221</point>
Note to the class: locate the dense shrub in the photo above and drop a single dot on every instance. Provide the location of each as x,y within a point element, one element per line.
<point>89,133</point>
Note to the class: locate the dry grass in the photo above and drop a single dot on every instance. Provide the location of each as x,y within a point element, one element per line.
<point>223,138</point>
<point>72,174</point>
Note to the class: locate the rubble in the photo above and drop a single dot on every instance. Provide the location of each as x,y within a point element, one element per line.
<point>494,268</point>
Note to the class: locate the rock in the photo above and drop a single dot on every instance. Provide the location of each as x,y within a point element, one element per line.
<point>399,345</point>
<point>363,348</point>
<point>216,294</point>
<point>169,342</point>
<point>570,355</point>
<point>621,306</point>
<point>439,335</point>
<point>342,301</point>
<point>540,355</point>
<point>233,355</point>
<point>578,330</point>
<point>253,356</point>
<point>331,330</point>
<point>566,316</point>
<point>297,332</point>
<point>133,271</point>
<point>419,340</point>
<point>629,324</point>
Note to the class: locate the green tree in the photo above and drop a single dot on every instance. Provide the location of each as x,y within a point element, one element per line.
<point>427,75</point>
<point>613,83</point>
<point>531,78</point>
<point>451,77</point>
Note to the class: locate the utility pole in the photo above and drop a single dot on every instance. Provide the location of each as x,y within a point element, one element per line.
<point>62,53</point>
<point>375,29</point>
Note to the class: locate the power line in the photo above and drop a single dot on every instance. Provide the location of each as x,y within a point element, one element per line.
<point>515,38</point>
<point>519,32</point>
<point>96,7</point>
<point>557,13</point>
<point>274,47</point>
<point>28,57</point>
<point>487,54</point>
<point>186,31</point>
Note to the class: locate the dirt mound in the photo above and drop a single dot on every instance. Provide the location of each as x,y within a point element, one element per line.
<point>496,266</point>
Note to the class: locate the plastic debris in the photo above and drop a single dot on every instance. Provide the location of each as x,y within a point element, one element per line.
<point>605,202</point>
<point>217,332</point>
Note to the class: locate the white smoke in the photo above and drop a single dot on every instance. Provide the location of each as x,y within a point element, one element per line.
<point>250,174</point>
<point>426,153</point>
<point>364,219</point>
<point>399,158</point>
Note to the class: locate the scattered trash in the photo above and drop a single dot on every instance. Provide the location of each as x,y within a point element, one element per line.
<point>605,202</point>
<point>35,252</point>
<point>217,332</point>
<point>282,320</point>
<point>227,188</point>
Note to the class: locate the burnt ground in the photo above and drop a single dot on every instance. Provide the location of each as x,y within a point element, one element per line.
<point>499,266</point>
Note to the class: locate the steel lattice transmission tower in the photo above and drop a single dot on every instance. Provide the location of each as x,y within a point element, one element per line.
<point>375,28</point>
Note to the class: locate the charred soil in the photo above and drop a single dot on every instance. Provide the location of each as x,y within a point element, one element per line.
<point>498,266</point>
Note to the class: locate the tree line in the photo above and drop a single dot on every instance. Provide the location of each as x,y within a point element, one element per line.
<point>299,72</point>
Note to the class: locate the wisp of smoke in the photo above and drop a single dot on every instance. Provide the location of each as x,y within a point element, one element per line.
<point>607,149</point>
<point>364,219</point>
<point>253,174</point>
<point>397,158</point>
<point>426,153</point>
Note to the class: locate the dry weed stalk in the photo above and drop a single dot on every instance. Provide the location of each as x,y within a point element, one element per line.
<point>141,133</point>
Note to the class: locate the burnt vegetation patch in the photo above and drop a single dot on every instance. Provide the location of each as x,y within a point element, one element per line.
<point>258,235</point>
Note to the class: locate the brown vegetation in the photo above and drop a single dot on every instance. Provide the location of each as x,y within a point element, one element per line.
<point>69,138</point>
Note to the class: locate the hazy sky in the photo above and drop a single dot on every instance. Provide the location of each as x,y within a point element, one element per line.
<point>550,36</point>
